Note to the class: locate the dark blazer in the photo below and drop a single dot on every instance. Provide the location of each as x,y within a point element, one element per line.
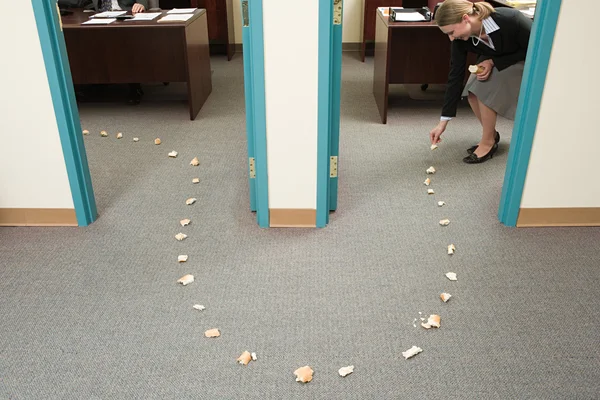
<point>124,4</point>
<point>510,41</point>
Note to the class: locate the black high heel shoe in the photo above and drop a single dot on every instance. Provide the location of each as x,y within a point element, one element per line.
<point>473,159</point>
<point>470,150</point>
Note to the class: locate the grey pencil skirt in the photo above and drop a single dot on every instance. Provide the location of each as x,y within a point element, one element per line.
<point>501,91</point>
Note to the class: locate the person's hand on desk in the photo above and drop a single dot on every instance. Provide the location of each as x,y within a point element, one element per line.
<point>487,66</point>
<point>137,8</point>
<point>436,133</point>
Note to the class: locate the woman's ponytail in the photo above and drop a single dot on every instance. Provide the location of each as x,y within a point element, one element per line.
<point>483,9</point>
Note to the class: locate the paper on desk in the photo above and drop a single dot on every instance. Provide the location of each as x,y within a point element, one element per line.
<point>530,12</point>
<point>176,17</point>
<point>108,14</point>
<point>181,10</point>
<point>409,17</point>
<point>99,21</point>
<point>517,3</point>
<point>385,10</point>
<point>144,16</point>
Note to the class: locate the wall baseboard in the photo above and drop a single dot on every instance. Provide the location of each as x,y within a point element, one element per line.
<point>38,217</point>
<point>540,217</point>
<point>349,46</point>
<point>292,218</point>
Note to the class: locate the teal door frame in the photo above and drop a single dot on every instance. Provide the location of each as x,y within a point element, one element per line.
<point>256,119</point>
<point>336,92</point>
<point>65,108</point>
<point>328,125</point>
<point>532,89</point>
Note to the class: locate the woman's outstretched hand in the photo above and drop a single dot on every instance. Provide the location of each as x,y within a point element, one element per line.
<point>436,133</point>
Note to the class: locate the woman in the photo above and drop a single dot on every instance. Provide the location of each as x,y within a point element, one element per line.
<point>500,37</point>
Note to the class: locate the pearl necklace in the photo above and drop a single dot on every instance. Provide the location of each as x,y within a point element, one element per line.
<point>479,38</point>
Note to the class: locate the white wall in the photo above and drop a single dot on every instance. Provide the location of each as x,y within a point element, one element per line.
<point>563,170</point>
<point>291,94</point>
<point>353,11</point>
<point>33,173</point>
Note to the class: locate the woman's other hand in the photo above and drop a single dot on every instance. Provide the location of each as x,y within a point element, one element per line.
<point>487,66</point>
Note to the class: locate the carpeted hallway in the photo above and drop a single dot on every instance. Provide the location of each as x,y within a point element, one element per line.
<point>95,313</point>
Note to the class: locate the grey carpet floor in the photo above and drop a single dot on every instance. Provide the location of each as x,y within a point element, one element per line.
<point>95,313</point>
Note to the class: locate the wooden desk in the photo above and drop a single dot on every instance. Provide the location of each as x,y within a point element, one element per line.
<point>141,51</point>
<point>407,52</point>
<point>220,22</point>
<point>370,14</point>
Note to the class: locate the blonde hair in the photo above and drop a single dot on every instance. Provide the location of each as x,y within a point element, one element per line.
<point>451,12</point>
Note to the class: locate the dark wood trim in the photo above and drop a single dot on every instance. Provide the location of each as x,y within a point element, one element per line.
<point>381,67</point>
<point>197,56</point>
<point>230,30</point>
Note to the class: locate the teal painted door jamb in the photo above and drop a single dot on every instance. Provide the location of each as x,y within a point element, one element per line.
<point>336,82</point>
<point>532,89</point>
<point>248,96</point>
<point>324,110</point>
<point>65,108</point>
<point>259,115</point>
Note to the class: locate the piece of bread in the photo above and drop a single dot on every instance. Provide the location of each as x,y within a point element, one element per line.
<point>186,279</point>
<point>451,276</point>
<point>344,371</point>
<point>413,351</point>
<point>304,374</point>
<point>245,358</point>
<point>212,333</point>
<point>451,249</point>
<point>475,69</point>
<point>432,322</point>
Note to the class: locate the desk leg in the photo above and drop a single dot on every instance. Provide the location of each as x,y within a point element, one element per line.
<point>362,50</point>
<point>198,65</point>
<point>381,71</point>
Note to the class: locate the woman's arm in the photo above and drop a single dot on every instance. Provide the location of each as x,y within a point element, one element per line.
<point>456,77</point>
<point>523,26</point>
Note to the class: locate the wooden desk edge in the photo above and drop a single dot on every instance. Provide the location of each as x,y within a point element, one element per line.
<point>128,25</point>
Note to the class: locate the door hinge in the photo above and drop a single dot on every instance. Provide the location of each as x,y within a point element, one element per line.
<point>333,167</point>
<point>245,15</point>
<point>252,168</point>
<point>337,12</point>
